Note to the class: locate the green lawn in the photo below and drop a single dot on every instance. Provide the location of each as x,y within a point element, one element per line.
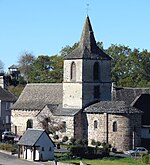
<point>108,161</point>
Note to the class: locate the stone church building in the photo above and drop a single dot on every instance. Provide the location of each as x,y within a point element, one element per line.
<point>84,102</point>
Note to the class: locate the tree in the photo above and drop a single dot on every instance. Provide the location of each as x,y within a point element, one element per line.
<point>47,69</point>
<point>50,123</point>
<point>25,62</point>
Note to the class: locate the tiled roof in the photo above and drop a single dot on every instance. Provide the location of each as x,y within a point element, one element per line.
<point>5,95</point>
<point>59,111</point>
<point>87,47</point>
<point>30,137</point>
<point>129,94</point>
<point>36,96</point>
<point>118,107</point>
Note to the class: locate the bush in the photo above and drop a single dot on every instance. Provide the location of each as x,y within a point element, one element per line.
<point>65,138</point>
<point>6,147</point>
<point>73,140</point>
<point>93,142</point>
<point>56,137</point>
<point>146,158</point>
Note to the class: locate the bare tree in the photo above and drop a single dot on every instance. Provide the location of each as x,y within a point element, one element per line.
<point>50,123</point>
<point>25,62</point>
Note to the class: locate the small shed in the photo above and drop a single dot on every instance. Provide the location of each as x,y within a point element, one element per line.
<point>36,145</point>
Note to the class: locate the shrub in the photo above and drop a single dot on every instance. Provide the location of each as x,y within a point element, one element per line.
<point>93,142</point>
<point>65,138</point>
<point>56,137</point>
<point>72,140</point>
<point>98,143</point>
<point>145,158</point>
<point>6,147</point>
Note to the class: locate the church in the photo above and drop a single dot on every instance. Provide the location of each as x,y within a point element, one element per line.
<point>85,102</point>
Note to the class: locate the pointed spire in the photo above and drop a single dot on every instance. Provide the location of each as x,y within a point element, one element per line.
<point>87,48</point>
<point>87,38</point>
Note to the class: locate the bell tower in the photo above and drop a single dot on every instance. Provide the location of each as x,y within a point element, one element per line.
<point>87,73</point>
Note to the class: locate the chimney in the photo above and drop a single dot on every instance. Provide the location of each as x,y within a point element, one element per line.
<point>2,81</point>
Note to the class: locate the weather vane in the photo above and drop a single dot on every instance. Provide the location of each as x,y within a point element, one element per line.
<point>87,8</point>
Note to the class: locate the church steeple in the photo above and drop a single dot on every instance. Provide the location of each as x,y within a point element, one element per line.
<point>87,77</point>
<point>87,48</point>
<point>87,38</point>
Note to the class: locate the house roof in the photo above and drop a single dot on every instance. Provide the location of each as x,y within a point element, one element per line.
<point>5,95</point>
<point>59,111</point>
<point>36,96</point>
<point>129,94</point>
<point>113,107</point>
<point>87,47</point>
<point>31,136</point>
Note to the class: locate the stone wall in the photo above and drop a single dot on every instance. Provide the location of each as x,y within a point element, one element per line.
<point>19,120</point>
<point>121,139</point>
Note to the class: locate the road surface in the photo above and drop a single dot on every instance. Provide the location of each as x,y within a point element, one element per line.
<point>6,159</point>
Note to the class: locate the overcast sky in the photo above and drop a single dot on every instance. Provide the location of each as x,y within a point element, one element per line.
<point>44,27</point>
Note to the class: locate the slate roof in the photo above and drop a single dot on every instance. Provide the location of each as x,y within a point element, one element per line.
<point>87,48</point>
<point>59,111</point>
<point>36,96</point>
<point>5,95</point>
<point>129,94</point>
<point>113,107</point>
<point>30,137</point>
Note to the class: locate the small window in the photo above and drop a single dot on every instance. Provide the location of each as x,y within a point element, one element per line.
<point>96,92</point>
<point>96,71</point>
<point>50,149</point>
<point>73,71</point>
<point>7,105</point>
<point>95,124</point>
<point>42,148</point>
<point>29,123</point>
<point>114,126</point>
<point>7,119</point>
<point>63,126</point>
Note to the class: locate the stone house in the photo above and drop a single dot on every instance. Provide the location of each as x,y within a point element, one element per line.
<point>7,99</point>
<point>35,144</point>
<point>84,101</point>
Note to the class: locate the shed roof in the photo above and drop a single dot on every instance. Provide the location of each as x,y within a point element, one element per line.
<point>31,136</point>
<point>36,96</point>
<point>114,107</point>
<point>5,95</point>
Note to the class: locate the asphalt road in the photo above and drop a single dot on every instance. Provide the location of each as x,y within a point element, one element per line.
<point>6,159</point>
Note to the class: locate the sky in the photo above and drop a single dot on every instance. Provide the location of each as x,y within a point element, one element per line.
<point>44,27</point>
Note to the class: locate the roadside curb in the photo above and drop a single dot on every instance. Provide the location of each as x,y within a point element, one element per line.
<point>6,152</point>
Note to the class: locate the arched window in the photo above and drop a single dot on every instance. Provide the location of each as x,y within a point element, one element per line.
<point>114,126</point>
<point>29,123</point>
<point>96,71</point>
<point>73,71</point>
<point>95,124</point>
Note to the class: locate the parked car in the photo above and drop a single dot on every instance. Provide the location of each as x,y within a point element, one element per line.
<point>8,136</point>
<point>137,151</point>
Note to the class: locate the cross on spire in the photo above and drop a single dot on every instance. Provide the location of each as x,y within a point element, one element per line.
<point>87,8</point>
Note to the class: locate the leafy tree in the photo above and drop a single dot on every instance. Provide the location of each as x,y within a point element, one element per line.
<point>47,69</point>
<point>68,49</point>
<point>25,62</point>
